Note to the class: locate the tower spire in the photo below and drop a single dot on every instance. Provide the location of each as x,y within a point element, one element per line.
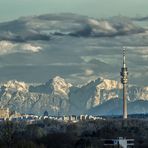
<point>124,64</point>
<point>124,81</point>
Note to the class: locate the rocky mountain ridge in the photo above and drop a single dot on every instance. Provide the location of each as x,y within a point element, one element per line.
<point>60,97</point>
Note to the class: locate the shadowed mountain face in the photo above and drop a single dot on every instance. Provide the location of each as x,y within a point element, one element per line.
<point>78,48</point>
<point>59,97</point>
<point>114,107</point>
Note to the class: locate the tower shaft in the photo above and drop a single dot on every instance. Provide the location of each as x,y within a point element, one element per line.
<point>124,101</point>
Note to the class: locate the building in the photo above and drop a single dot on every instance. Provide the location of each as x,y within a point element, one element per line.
<point>73,118</point>
<point>119,143</point>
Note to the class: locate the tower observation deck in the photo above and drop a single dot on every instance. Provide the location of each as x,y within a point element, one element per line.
<point>124,81</point>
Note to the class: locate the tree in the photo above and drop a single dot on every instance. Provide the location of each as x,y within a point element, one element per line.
<point>7,130</point>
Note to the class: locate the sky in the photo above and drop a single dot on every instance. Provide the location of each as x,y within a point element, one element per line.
<point>46,60</point>
<point>12,9</point>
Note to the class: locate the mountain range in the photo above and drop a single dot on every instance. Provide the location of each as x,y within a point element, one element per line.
<point>79,49</point>
<point>58,97</point>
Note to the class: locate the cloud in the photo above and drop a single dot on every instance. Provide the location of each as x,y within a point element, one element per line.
<point>31,48</point>
<point>7,47</point>
<point>116,26</point>
<point>88,54</point>
<point>88,72</point>
<point>45,26</point>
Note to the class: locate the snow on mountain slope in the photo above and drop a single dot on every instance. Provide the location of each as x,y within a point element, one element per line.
<point>14,86</point>
<point>55,86</point>
<point>94,93</point>
<point>60,97</point>
<point>23,98</point>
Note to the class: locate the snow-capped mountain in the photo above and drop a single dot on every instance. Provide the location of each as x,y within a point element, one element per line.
<point>51,96</point>
<point>56,86</point>
<point>94,93</point>
<point>60,97</point>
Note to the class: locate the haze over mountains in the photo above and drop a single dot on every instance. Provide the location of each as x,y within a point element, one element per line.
<point>58,97</point>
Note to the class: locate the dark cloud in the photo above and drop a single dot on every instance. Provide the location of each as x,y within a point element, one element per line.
<point>44,26</point>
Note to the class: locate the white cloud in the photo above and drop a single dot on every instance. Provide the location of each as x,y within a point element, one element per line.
<point>7,47</point>
<point>89,72</point>
<point>104,25</point>
<point>31,48</point>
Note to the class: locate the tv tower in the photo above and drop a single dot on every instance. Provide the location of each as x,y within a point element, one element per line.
<point>124,81</point>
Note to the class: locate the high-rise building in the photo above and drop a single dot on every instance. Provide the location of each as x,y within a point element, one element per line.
<point>124,81</point>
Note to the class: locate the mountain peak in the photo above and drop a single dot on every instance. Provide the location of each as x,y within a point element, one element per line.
<point>59,85</point>
<point>14,86</point>
<point>57,78</point>
<point>111,84</point>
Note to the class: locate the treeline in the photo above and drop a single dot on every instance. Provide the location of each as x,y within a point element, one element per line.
<point>85,134</point>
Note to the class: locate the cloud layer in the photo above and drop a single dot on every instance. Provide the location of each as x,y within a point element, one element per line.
<point>45,26</point>
<point>75,47</point>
